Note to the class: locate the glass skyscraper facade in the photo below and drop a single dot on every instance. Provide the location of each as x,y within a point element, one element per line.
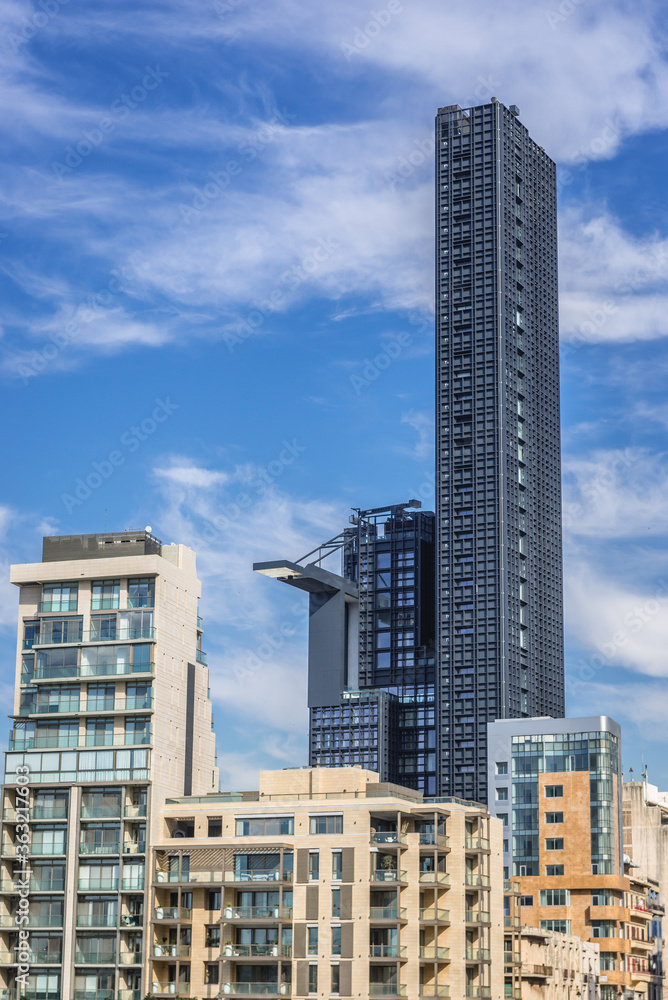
<point>498,514</point>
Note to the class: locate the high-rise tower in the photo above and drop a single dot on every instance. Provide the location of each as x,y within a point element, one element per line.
<point>498,514</point>
<point>111,715</point>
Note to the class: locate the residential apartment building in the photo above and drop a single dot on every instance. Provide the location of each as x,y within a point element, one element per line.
<point>371,661</point>
<point>498,490</point>
<point>111,715</point>
<point>557,966</point>
<point>556,786</point>
<point>326,881</point>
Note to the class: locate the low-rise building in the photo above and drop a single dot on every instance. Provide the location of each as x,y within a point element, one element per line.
<point>556,966</point>
<point>327,881</point>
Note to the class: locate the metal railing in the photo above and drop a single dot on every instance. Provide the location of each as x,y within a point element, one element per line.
<point>172,913</point>
<point>258,989</point>
<point>257,913</point>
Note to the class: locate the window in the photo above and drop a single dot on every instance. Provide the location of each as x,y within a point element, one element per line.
<point>554,869</point>
<point>214,899</point>
<point>313,866</point>
<point>59,597</point>
<point>214,826</point>
<point>554,844</point>
<point>502,794</point>
<point>336,902</point>
<point>336,978</point>
<point>265,826</point>
<point>212,936</point>
<point>502,767</point>
<point>105,594</point>
<point>211,973</point>
<point>608,961</point>
<point>563,926</point>
<point>312,940</point>
<point>141,594</point>
<point>326,824</point>
<point>336,940</point>
<point>603,928</point>
<point>526,900</point>
<point>554,791</point>
<point>503,817</point>
<point>337,865</point>
<point>554,817</point>
<point>313,978</point>
<point>555,897</point>
<point>603,897</point>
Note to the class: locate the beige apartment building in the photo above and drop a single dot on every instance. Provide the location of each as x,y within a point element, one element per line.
<point>557,966</point>
<point>111,715</point>
<point>326,882</point>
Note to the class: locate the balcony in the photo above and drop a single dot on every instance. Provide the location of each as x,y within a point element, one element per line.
<point>97,994</point>
<point>258,875</point>
<point>36,812</point>
<point>443,878</point>
<point>388,875</point>
<point>97,920</point>
<point>101,812</point>
<point>387,990</point>
<point>130,847</point>
<point>133,957</point>
<point>478,991</point>
<point>133,884</point>
<point>171,951</point>
<point>95,957</point>
<point>99,884</point>
<point>91,670</point>
<point>257,951</point>
<point>512,887</point>
<point>113,847</point>
<point>511,921</point>
<point>119,634</point>
<point>129,995</point>
<point>434,990</point>
<point>434,953</point>
<point>36,920</point>
<point>172,913</point>
<point>431,913</point>
<point>388,837</point>
<point>206,877</point>
<point>387,913</point>
<point>200,623</point>
<point>536,971</point>
<point>135,812</point>
<point>436,839</point>
<point>170,989</point>
<point>257,913</point>
<point>477,917</point>
<point>478,955</point>
<point>473,878</point>
<point>388,951</point>
<point>476,844</point>
<point>35,849</point>
<point>257,989</point>
<point>200,656</point>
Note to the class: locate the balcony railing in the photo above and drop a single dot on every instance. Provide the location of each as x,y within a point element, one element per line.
<point>478,955</point>
<point>477,844</point>
<point>473,878</point>
<point>133,957</point>
<point>200,656</point>
<point>437,839</point>
<point>434,990</point>
<point>101,812</point>
<point>172,913</point>
<point>91,670</point>
<point>258,989</point>
<point>387,990</point>
<point>431,876</point>
<point>35,848</point>
<point>171,951</point>
<point>434,913</point>
<point>134,812</point>
<point>435,953</point>
<point>170,989</point>
<point>388,875</point>
<point>257,913</point>
<point>478,991</point>
<point>164,876</point>
<point>48,607</point>
<point>388,837</point>
<point>130,847</point>
<point>35,920</point>
<point>387,913</point>
<point>38,812</point>
<point>95,957</point>
<point>97,920</point>
<point>133,884</point>
<point>477,916</point>
<point>113,847</point>
<point>108,884</point>
<point>512,886</point>
<point>274,950</point>
<point>259,875</point>
<point>97,994</point>
<point>511,921</point>
<point>118,634</point>
<point>388,951</point>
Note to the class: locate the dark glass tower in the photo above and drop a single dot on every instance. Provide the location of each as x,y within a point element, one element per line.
<point>499,569</point>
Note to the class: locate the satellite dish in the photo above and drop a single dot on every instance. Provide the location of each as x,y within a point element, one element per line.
<point>148,528</point>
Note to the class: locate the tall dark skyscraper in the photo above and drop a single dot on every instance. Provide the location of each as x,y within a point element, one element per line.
<point>498,512</point>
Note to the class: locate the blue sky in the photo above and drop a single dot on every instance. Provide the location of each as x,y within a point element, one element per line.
<point>224,209</point>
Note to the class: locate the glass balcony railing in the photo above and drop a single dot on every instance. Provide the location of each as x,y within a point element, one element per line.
<point>257,913</point>
<point>120,633</point>
<point>134,847</point>
<point>434,990</point>
<point>473,878</point>
<point>101,883</point>
<point>113,847</point>
<point>437,839</point>
<point>97,919</point>
<point>172,913</point>
<point>200,656</point>
<point>134,812</point>
<point>434,953</point>
<point>387,951</point>
<point>478,955</point>
<point>36,848</point>
<point>133,884</point>
<point>431,876</point>
<point>97,994</point>
<point>101,812</point>
<point>57,604</point>
<point>478,991</point>
<point>118,669</point>
<point>429,913</point>
<point>388,875</point>
<point>388,837</point>
<point>258,989</point>
<point>387,990</point>
<point>36,920</point>
<point>261,875</point>
<point>134,957</point>
<point>476,844</point>
<point>45,958</point>
<point>141,602</point>
<point>105,603</point>
<point>477,917</point>
<point>387,913</point>
<point>171,951</point>
<point>95,957</point>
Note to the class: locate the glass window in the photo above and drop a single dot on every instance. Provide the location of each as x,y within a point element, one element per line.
<point>336,979</point>
<point>312,940</point>
<point>211,973</point>
<point>326,824</point>
<point>526,900</point>
<point>336,902</point>
<point>214,826</point>
<point>563,926</point>
<point>502,767</point>
<point>554,869</point>
<point>213,902</point>
<point>59,597</point>
<point>608,961</point>
<point>555,897</point>
<point>502,794</point>
<point>313,978</point>
<point>105,594</point>
<point>554,791</point>
<point>313,866</point>
<point>336,940</point>
<point>337,865</point>
<point>554,844</point>
<point>265,826</point>
<point>212,936</point>
<point>141,592</point>
<point>554,817</point>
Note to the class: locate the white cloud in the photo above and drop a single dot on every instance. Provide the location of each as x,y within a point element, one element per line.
<point>613,285</point>
<point>184,473</point>
<point>644,705</point>
<point>422,422</point>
